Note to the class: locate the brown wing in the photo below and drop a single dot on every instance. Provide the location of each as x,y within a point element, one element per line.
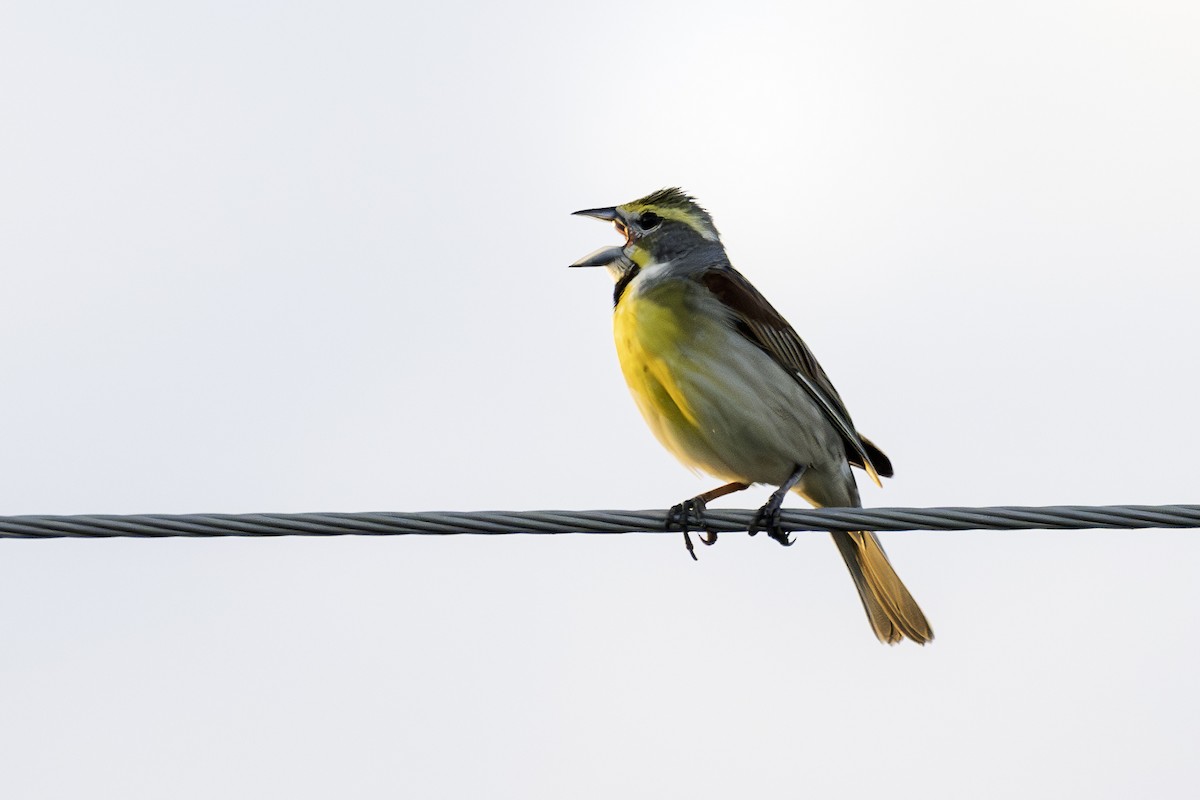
<point>759,322</point>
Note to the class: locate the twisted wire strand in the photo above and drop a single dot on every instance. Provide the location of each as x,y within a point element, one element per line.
<point>446,523</point>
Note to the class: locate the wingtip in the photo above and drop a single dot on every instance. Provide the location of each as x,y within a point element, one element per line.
<point>872,473</point>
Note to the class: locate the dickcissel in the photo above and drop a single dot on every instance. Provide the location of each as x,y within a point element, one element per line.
<point>730,389</point>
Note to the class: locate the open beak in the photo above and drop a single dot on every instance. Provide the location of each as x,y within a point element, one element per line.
<point>605,256</point>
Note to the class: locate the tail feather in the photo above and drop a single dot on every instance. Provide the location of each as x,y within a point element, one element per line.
<point>892,611</point>
<point>881,623</point>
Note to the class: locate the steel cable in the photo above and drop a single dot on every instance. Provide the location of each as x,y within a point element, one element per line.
<point>444,523</point>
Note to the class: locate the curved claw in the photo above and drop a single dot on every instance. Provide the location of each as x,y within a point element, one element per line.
<point>770,520</point>
<point>689,516</point>
<point>769,516</point>
<point>691,548</point>
<point>783,537</point>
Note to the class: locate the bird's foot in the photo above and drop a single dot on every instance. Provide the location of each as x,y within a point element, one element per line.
<point>769,519</point>
<point>689,516</point>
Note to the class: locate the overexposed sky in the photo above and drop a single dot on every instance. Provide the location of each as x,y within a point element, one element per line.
<point>312,257</point>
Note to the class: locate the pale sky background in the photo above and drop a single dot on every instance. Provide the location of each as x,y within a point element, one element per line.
<point>312,257</point>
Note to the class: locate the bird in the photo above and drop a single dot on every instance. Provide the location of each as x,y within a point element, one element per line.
<point>730,389</point>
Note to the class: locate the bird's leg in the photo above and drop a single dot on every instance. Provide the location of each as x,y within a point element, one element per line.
<point>690,513</point>
<point>767,518</point>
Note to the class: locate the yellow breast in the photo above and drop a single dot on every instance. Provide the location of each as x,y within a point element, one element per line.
<point>652,329</point>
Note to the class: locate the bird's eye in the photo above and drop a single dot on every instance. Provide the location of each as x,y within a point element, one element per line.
<point>648,220</point>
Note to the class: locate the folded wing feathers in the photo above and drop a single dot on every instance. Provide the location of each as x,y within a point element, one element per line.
<point>772,332</point>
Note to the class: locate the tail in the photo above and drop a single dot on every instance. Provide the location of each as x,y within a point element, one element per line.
<point>890,608</point>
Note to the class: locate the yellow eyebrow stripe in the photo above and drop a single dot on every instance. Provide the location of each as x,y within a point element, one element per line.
<point>693,221</point>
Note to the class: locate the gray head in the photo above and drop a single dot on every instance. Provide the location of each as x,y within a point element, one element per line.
<point>664,226</point>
